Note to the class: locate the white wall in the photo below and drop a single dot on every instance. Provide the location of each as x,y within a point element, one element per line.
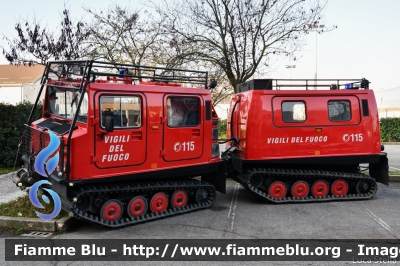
<point>388,101</point>
<point>10,95</point>
<point>222,110</point>
<point>30,93</point>
<point>15,95</point>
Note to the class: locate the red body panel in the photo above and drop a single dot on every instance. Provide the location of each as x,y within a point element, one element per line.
<point>153,146</point>
<point>257,122</point>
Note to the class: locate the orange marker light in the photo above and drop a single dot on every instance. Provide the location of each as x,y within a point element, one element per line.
<point>318,130</point>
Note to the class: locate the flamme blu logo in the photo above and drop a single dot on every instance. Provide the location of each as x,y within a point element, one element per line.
<point>51,164</point>
<point>42,167</point>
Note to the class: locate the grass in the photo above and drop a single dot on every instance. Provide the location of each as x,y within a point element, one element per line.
<point>22,207</point>
<point>5,170</point>
<point>13,230</point>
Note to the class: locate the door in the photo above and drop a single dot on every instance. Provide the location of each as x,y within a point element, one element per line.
<point>183,127</point>
<point>126,145</point>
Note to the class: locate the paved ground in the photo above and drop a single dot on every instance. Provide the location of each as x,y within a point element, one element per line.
<point>242,215</point>
<point>8,190</point>
<point>393,152</point>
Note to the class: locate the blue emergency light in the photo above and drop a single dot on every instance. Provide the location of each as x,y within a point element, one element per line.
<point>351,86</point>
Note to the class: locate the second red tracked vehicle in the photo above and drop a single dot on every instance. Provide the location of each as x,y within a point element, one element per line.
<point>296,142</point>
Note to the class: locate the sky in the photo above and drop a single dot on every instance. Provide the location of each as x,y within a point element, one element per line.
<point>366,43</point>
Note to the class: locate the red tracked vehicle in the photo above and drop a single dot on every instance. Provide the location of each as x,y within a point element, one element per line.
<point>306,144</point>
<point>131,137</point>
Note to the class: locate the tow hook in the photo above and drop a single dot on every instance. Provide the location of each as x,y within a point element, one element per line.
<point>23,179</point>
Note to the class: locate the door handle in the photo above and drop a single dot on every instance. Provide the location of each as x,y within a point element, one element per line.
<point>196,132</point>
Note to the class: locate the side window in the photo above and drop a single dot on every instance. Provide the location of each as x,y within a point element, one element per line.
<point>183,111</point>
<point>126,110</point>
<point>339,111</point>
<point>293,111</point>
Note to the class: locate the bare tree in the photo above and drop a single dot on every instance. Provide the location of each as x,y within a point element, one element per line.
<point>34,45</point>
<point>124,35</point>
<point>223,90</point>
<point>237,36</point>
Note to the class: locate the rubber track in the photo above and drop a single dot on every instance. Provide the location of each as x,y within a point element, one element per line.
<point>281,174</point>
<point>114,189</point>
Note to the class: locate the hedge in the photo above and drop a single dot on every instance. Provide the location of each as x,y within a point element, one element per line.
<point>12,120</point>
<point>222,129</point>
<point>390,129</point>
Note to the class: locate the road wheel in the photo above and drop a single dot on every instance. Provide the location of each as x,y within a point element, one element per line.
<point>300,189</point>
<point>137,206</point>
<point>320,188</point>
<point>111,210</point>
<point>159,202</point>
<point>339,187</point>
<point>179,199</point>
<point>277,190</point>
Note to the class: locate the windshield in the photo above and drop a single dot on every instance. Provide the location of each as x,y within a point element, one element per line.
<point>63,102</point>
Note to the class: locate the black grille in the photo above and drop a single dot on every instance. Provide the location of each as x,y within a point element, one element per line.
<point>215,133</point>
<point>365,107</point>
<point>208,110</point>
<point>27,140</point>
<point>35,141</point>
<point>52,125</point>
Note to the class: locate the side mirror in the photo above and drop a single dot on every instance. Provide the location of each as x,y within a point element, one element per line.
<point>109,124</point>
<point>213,84</point>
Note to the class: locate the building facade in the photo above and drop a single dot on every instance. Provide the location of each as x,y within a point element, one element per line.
<point>19,83</point>
<point>388,101</point>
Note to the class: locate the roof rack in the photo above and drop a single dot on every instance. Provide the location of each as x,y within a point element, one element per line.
<point>98,71</point>
<point>308,84</point>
